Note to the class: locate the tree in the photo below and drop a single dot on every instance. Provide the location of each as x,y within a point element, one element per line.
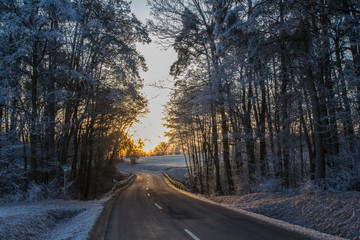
<point>72,71</point>
<point>263,78</point>
<point>161,149</point>
<point>134,150</point>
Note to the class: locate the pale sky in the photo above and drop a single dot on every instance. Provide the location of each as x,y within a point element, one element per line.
<point>158,62</point>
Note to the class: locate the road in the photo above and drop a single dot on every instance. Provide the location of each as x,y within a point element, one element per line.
<point>150,209</point>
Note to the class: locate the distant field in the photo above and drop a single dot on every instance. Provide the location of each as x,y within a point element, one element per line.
<point>171,160</point>
<point>174,165</point>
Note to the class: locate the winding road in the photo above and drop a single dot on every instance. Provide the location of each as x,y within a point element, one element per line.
<point>151,209</point>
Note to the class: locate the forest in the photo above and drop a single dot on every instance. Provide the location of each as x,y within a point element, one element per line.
<point>69,91</point>
<point>266,94</point>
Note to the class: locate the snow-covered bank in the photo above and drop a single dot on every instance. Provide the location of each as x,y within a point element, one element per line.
<point>50,219</point>
<point>332,213</point>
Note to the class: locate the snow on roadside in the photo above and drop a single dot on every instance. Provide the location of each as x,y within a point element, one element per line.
<point>332,213</point>
<point>309,233</point>
<point>178,174</point>
<point>49,219</point>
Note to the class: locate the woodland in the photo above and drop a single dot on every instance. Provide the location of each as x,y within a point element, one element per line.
<point>266,94</point>
<point>69,91</point>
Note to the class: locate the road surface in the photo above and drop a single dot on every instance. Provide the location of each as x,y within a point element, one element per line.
<point>150,209</point>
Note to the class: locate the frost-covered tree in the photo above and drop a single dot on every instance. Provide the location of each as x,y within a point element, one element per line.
<point>70,82</point>
<point>278,83</point>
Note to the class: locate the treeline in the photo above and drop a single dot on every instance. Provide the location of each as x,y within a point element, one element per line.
<point>160,150</point>
<point>165,148</point>
<point>69,89</point>
<point>266,92</point>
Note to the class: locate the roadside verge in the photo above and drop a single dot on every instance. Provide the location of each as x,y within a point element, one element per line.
<point>310,233</point>
<point>99,228</point>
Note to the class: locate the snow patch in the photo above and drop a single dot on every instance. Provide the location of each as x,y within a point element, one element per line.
<point>51,219</point>
<point>336,214</point>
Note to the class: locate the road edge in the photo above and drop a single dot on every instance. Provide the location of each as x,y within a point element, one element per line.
<point>306,232</point>
<point>98,230</point>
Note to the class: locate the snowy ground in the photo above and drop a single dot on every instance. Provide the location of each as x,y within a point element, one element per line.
<point>333,213</point>
<point>50,219</point>
<point>173,165</point>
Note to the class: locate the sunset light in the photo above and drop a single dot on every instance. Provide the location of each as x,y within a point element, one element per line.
<point>179,119</point>
<point>158,61</point>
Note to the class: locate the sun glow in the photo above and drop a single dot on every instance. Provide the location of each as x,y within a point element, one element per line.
<point>158,61</point>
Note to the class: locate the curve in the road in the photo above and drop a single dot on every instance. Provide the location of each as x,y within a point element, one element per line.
<point>150,209</point>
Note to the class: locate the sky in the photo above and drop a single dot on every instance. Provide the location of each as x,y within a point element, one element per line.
<point>158,61</point>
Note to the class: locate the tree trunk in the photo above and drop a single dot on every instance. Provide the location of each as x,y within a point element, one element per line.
<point>237,141</point>
<point>90,160</point>
<point>304,128</point>
<point>51,101</point>
<point>285,121</point>
<point>34,114</point>
<point>318,129</point>
<point>219,190</point>
<point>347,118</point>
<point>261,127</point>
<point>226,153</point>
<point>310,85</point>
<point>249,139</point>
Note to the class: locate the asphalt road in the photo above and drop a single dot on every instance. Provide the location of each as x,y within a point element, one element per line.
<point>150,209</point>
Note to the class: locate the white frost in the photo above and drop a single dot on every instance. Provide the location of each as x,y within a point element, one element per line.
<point>50,219</point>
